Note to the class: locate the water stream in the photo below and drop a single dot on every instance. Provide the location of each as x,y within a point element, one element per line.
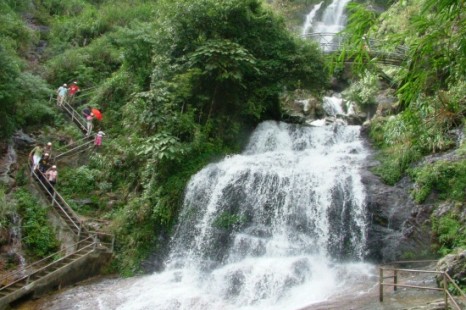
<point>280,226</point>
<point>271,228</point>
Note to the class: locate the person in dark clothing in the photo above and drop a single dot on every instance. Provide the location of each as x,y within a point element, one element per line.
<point>86,111</point>
<point>44,163</point>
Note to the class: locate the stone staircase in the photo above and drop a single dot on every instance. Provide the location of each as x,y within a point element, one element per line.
<point>71,264</point>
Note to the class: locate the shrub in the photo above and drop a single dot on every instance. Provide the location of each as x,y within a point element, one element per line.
<point>446,178</point>
<point>450,233</point>
<point>38,235</point>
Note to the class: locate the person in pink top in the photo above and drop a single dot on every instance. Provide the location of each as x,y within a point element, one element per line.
<point>98,138</point>
<point>52,175</point>
<point>89,119</point>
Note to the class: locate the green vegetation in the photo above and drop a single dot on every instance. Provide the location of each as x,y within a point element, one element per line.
<point>430,85</point>
<point>183,82</point>
<point>450,233</point>
<point>23,96</point>
<point>227,220</point>
<point>180,84</point>
<point>38,235</point>
<point>7,209</point>
<point>446,178</point>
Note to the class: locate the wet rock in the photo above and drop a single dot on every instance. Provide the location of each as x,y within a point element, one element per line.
<point>83,202</point>
<point>386,103</point>
<point>357,118</point>
<point>397,227</point>
<point>455,266</point>
<point>8,166</point>
<point>23,140</point>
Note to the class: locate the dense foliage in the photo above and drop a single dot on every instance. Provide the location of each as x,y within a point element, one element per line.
<point>430,82</point>
<point>180,83</point>
<point>23,96</point>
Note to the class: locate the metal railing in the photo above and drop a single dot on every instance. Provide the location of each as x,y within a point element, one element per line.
<point>333,42</point>
<point>105,239</point>
<point>34,268</point>
<point>76,117</point>
<point>58,201</point>
<point>74,149</point>
<point>447,281</point>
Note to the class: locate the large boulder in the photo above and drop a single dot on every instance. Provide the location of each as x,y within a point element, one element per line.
<point>455,266</point>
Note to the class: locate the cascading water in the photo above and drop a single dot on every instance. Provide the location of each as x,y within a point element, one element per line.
<point>265,229</point>
<point>280,226</point>
<point>310,18</point>
<point>332,21</point>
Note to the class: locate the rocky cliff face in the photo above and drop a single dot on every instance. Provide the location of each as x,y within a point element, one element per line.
<point>399,229</point>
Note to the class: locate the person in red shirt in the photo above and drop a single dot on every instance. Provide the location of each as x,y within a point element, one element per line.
<point>72,90</point>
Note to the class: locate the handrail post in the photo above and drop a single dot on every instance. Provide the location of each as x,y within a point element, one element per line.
<point>54,197</point>
<point>395,279</point>
<point>381,284</point>
<point>445,289</point>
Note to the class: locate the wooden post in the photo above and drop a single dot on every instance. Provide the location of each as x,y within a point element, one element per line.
<point>395,279</point>
<point>381,284</point>
<point>445,289</point>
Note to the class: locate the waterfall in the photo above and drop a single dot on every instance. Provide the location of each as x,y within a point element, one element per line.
<point>268,228</point>
<point>333,106</point>
<point>333,18</point>
<point>310,18</point>
<point>332,21</point>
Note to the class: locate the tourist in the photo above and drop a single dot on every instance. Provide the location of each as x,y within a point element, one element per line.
<point>51,175</point>
<point>61,94</point>
<point>44,163</point>
<point>86,111</point>
<point>48,149</point>
<point>35,155</point>
<point>73,89</point>
<point>89,120</point>
<point>98,138</point>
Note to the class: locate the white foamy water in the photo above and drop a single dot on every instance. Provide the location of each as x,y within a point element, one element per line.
<point>331,22</point>
<point>333,106</point>
<point>310,18</point>
<point>280,226</point>
<point>333,19</point>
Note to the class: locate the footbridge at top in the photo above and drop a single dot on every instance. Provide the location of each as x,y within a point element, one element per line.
<point>376,50</point>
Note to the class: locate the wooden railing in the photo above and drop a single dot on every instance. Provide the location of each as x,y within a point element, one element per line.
<point>447,282</point>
